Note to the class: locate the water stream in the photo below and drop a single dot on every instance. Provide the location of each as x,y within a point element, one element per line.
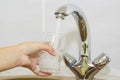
<point>57,31</point>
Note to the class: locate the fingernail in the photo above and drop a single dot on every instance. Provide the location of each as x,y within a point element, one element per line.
<point>54,52</point>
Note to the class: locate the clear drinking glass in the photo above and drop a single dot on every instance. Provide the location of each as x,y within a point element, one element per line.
<point>47,62</point>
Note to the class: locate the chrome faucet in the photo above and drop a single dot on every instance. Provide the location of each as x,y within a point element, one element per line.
<point>84,68</point>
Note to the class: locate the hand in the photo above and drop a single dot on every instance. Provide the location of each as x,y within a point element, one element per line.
<point>30,52</point>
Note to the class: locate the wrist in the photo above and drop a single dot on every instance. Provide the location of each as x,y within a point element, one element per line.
<point>10,57</point>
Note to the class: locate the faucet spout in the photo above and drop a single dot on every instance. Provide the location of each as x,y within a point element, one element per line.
<point>81,23</point>
<point>84,68</point>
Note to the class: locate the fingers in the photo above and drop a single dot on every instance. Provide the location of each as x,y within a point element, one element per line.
<point>39,73</point>
<point>34,47</point>
<point>34,69</point>
<point>48,47</point>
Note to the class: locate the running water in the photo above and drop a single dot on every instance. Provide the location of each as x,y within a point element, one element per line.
<point>58,25</point>
<point>57,31</point>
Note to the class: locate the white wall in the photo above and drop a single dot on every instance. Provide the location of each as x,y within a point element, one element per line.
<point>21,20</point>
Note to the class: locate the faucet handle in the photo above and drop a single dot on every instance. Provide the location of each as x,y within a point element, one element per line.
<point>69,60</point>
<point>101,61</point>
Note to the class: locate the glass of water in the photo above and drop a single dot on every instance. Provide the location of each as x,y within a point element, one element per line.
<point>47,62</point>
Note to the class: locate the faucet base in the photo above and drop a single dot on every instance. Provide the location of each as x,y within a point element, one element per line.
<point>88,79</point>
<point>85,79</point>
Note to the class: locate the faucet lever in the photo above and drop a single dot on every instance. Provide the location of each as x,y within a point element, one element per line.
<point>69,60</point>
<point>101,61</point>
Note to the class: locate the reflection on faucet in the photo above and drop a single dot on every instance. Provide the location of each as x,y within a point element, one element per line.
<point>84,68</point>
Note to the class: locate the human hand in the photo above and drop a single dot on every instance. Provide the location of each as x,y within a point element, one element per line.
<point>30,52</point>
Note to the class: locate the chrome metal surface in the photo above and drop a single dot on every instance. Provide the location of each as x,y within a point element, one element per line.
<point>84,68</point>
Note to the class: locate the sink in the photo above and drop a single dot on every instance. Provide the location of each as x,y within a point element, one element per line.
<point>34,77</point>
<point>65,74</point>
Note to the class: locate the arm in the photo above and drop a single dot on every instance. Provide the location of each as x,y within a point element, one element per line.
<point>9,57</point>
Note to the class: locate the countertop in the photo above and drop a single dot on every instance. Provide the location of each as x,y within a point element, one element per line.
<point>105,74</point>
